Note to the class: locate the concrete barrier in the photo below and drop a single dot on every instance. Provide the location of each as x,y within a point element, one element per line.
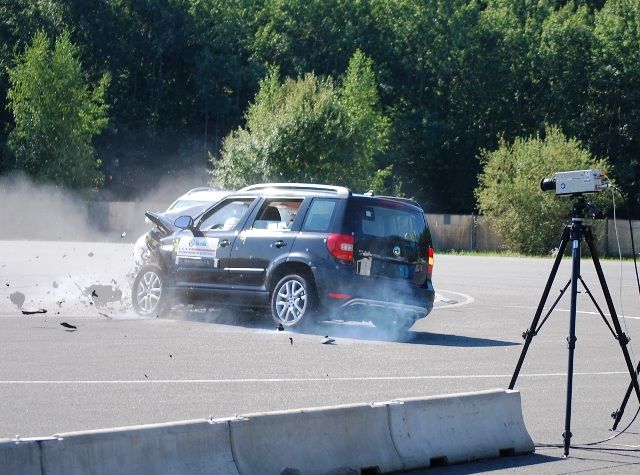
<point>190,447</point>
<point>20,457</point>
<point>458,428</point>
<point>331,440</point>
<point>384,437</point>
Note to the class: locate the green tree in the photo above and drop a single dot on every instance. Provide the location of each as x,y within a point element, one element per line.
<point>508,193</point>
<point>56,114</point>
<point>310,130</point>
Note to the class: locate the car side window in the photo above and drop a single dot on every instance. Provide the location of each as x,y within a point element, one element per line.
<point>226,216</point>
<point>277,214</point>
<point>318,218</point>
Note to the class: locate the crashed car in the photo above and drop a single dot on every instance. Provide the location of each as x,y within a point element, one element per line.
<point>300,250</point>
<point>192,203</point>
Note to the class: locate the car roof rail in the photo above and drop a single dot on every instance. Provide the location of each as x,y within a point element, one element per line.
<point>340,191</point>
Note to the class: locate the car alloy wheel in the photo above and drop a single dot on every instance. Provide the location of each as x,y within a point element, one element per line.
<point>148,291</point>
<point>290,300</point>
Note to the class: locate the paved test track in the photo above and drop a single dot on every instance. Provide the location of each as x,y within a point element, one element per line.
<point>120,370</point>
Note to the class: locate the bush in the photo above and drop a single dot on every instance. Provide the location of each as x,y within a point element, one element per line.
<point>527,219</point>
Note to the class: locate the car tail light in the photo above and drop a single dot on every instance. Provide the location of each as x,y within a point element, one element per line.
<point>341,246</point>
<point>430,256</point>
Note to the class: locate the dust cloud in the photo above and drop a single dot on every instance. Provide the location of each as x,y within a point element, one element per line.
<point>46,212</point>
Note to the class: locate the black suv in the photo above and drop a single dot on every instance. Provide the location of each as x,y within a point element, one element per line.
<point>303,250</point>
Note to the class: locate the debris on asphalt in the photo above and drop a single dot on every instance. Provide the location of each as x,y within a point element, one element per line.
<point>291,340</point>
<point>90,254</point>
<point>60,302</point>
<point>146,376</point>
<point>105,315</point>
<point>101,294</point>
<point>280,327</point>
<point>69,326</point>
<point>28,311</point>
<point>328,341</point>
<point>124,234</point>
<point>55,284</point>
<point>7,284</point>
<point>17,298</point>
<point>170,356</point>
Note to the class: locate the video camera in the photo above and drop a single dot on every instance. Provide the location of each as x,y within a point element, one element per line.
<point>575,182</point>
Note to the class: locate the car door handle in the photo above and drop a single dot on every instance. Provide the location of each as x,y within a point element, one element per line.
<point>280,243</point>
<point>224,243</point>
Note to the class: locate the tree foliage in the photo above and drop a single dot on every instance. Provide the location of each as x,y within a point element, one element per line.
<point>527,219</point>
<point>453,76</point>
<point>308,129</point>
<point>56,114</point>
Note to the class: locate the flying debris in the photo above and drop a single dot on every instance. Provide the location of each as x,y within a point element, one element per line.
<point>328,341</point>
<point>123,235</point>
<point>146,376</point>
<point>280,327</point>
<point>94,293</point>
<point>69,326</point>
<point>32,312</point>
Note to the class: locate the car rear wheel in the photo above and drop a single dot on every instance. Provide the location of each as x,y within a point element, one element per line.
<point>148,294</point>
<point>292,300</point>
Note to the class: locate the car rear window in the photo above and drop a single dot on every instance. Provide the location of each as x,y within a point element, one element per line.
<point>384,220</point>
<point>319,216</point>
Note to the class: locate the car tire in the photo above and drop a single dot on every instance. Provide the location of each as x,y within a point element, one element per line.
<point>149,295</point>
<point>294,301</point>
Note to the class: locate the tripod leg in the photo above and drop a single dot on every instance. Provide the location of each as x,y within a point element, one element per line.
<point>531,332</point>
<point>576,238</point>
<point>617,415</point>
<point>623,340</point>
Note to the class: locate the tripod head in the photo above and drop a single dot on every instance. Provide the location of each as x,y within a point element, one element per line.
<point>580,207</point>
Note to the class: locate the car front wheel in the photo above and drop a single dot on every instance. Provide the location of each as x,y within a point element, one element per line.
<point>148,294</point>
<point>292,299</point>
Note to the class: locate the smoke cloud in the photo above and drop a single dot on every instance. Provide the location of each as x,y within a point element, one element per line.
<point>32,211</point>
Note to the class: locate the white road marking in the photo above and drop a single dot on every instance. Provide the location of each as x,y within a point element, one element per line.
<point>567,311</point>
<point>468,299</point>
<point>302,380</point>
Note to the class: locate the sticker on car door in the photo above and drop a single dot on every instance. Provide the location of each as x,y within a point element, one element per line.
<point>197,247</point>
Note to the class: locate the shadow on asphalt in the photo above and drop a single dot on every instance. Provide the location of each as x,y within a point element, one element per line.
<point>503,463</point>
<point>340,329</point>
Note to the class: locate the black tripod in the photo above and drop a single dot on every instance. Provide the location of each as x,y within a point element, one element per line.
<point>575,233</point>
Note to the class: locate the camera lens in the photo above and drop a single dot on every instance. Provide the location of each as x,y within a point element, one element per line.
<point>548,184</point>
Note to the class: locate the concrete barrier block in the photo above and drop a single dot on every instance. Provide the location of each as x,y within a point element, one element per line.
<point>20,457</point>
<point>459,428</point>
<point>330,440</point>
<point>181,448</point>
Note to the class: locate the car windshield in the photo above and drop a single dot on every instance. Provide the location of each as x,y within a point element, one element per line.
<point>180,204</point>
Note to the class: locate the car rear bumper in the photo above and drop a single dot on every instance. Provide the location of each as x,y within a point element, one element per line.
<point>345,290</point>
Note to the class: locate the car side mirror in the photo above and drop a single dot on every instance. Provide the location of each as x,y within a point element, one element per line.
<point>184,222</point>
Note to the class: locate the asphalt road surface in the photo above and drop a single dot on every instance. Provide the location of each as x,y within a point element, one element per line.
<point>116,369</point>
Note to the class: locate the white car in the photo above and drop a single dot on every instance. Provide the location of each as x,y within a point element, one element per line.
<point>202,196</point>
